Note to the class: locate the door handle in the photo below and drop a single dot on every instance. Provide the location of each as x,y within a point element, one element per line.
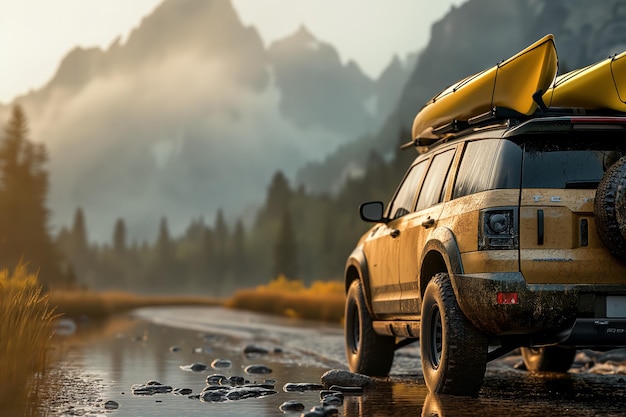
<point>394,233</point>
<point>428,223</point>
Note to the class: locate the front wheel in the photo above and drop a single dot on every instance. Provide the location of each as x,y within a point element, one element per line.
<point>368,352</point>
<point>454,352</point>
<point>549,358</point>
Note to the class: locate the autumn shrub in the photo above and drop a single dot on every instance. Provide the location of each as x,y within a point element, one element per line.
<point>322,300</point>
<point>101,305</point>
<point>26,331</point>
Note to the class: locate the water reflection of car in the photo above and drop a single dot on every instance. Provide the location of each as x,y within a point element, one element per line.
<point>509,234</point>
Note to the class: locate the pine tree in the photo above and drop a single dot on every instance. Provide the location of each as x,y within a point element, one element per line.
<point>279,195</point>
<point>24,233</point>
<point>221,240</point>
<point>285,250</point>
<point>119,236</point>
<point>207,256</point>
<point>240,261</point>
<point>74,245</point>
<point>161,274</point>
<point>79,234</point>
<point>164,245</point>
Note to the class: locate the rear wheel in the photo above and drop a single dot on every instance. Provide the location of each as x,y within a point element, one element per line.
<point>548,358</point>
<point>454,352</point>
<point>368,352</point>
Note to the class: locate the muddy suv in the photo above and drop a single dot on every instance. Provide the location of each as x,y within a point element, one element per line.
<point>511,234</point>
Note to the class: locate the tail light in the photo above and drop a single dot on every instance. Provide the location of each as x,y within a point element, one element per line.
<point>498,229</point>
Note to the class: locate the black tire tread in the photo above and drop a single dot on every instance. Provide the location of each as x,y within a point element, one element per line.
<point>609,206</point>
<point>464,358</point>
<point>375,354</point>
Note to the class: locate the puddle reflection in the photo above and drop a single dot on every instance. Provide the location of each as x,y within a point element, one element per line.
<point>103,362</point>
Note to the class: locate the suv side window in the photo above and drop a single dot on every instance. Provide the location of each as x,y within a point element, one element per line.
<point>403,201</point>
<point>488,164</point>
<point>432,190</point>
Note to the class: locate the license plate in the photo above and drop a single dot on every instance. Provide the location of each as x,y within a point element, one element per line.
<point>616,306</point>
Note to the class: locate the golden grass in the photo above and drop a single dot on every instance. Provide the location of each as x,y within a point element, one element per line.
<point>26,330</point>
<point>323,300</point>
<point>96,305</point>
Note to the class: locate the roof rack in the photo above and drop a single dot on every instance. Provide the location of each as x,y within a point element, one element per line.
<point>497,116</point>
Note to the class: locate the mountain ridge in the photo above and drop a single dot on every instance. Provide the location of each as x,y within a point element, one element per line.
<point>185,117</point>
<point>461,44</point>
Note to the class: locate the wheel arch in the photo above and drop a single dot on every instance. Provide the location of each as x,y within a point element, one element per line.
<point>440,254</point>
<point>356,269</point>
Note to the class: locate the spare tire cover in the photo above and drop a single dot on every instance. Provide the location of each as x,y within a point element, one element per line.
<point>610,208</point>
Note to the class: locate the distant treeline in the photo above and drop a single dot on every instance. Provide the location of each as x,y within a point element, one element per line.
<point>295,234</point>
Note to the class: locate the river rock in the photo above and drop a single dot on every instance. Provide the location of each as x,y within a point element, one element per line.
<point>213,393</point>
<point>253,350</point>
<point>257,369</point>
<point>222,393</point>
<point>111,405</point>
<point>240,393</point>
<point>182,391</point>
<point>194,367</point>
<point>616,356</point>
<point>236,380</point>
<point>607,369</point>
<point>291,405</point>
<point>150,388</point>
<point>342,378</point>
<point>332,400</point>
<point>65,327</point>
<point>221,363</point>
<point>216,379</point>
<point>301,387</point>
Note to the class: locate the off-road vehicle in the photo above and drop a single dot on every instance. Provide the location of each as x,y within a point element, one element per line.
<point>505,235</point>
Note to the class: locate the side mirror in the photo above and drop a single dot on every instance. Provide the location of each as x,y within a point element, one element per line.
<point>372,211</point>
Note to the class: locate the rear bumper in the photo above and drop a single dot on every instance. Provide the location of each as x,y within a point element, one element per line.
<point>572,314</point>
<point>592,333</point>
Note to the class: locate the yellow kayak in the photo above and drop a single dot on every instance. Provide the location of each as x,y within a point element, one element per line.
<point>598,86</point>
<point>510,84</point>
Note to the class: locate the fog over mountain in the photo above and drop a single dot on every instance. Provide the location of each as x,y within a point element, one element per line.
<point>192,114</point>
<point>469,38</point>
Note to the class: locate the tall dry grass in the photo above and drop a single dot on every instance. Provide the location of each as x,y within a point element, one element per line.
<point>322,300</point>
<point>26,331</point>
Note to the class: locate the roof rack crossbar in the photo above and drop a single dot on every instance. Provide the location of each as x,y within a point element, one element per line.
<point>496,113</point>
<point>451,127</point>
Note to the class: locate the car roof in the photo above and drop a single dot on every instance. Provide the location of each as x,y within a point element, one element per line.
<point>548,122</point>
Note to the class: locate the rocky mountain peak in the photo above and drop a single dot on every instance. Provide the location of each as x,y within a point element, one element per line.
<point>173,114</point>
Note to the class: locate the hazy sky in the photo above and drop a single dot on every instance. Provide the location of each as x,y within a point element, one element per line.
<point>36,34</point>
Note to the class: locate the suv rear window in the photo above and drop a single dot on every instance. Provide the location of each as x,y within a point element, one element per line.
<point>488,164</point>
<point>569,160</point>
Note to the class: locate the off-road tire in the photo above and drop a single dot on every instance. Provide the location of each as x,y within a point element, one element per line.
<point>368,352</point>
<point>454,352</point>
<point>549,358</point>
<point>609,208</point>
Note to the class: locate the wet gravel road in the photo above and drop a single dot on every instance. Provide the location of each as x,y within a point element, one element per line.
<point>162,344</point>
